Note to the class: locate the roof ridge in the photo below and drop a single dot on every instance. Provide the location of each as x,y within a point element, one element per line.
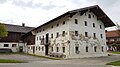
<point>19,25</point>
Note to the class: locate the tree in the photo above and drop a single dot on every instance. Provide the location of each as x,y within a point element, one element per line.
<point>3,32</point>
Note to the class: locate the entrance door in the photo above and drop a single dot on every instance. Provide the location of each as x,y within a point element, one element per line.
<point>47,45</point>
<point>33,49</point>
<point>46,49</point>
<point>21,49</point>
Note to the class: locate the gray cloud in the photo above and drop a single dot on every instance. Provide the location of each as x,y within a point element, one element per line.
<point>31,5</point>
<point>49,6</point>
<point>77,2</point>
<point>23,4</point>
<point>2,1</point>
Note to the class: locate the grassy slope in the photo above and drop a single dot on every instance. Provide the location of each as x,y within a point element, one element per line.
<point>115,52</point>
<point>116,63</point>
<point>10,61</point>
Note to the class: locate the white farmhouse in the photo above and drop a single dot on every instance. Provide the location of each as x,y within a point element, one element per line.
<point>75,34</point>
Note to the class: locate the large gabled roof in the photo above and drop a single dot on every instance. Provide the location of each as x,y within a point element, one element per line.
<point>17,28</point>
<point>95,9</point>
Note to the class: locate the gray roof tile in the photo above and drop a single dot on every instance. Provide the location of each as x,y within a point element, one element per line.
<point>17,28</point>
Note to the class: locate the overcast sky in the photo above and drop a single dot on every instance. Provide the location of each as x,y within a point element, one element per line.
<point>36,12</point>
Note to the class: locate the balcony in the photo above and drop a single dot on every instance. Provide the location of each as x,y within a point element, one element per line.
<point>45,41</point>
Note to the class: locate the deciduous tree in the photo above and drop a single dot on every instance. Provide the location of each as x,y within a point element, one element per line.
<point>3,32</point>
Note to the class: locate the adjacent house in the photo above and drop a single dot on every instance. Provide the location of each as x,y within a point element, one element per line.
<point>74,34</point>
<point>113,40</point>
<point>13,41</point>
<point>29,40</point>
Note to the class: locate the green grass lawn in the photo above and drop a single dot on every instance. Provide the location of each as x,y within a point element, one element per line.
<point>115,63</point>
<point>115,52</point>
<point>10,61</point>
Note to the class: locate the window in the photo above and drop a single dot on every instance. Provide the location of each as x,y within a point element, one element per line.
<point>6,45</point>
<point>51,35</point>
<point>14,45</point>
<point>63,49</point>
<point>86,34</point>
<point>42,48</point>
<point>76,21</point>
<point>39,37</point>
<point>57,35</point>
<point>102,48</point>
<point>40,30</point>
<point>36,48</point>
<point>112,39</point>
<point>28,47</point>
<point>85,23</point>
<point>93,24</point>
<point>43,38</point>
<point>77,50</point>
<point>87,49</point>
<point>93,16</point>
<point>100,26</point>
<point>89,16</point>
<point>63,33</point>
<point>95,49</point>
<point>51,26</point>
<point>101,35</point>
<point>76,33</point>
<point>52,49</point>
<point>43,29</point>
<point>94,35</point>
<point>39,48</point>
<point>57,25</point>
<point>63,22</point>
<point>57,49</point>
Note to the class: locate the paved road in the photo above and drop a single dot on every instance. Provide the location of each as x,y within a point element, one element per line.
<point>84,62</point>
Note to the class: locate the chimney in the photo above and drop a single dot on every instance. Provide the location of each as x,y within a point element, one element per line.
<point>23,24</point>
